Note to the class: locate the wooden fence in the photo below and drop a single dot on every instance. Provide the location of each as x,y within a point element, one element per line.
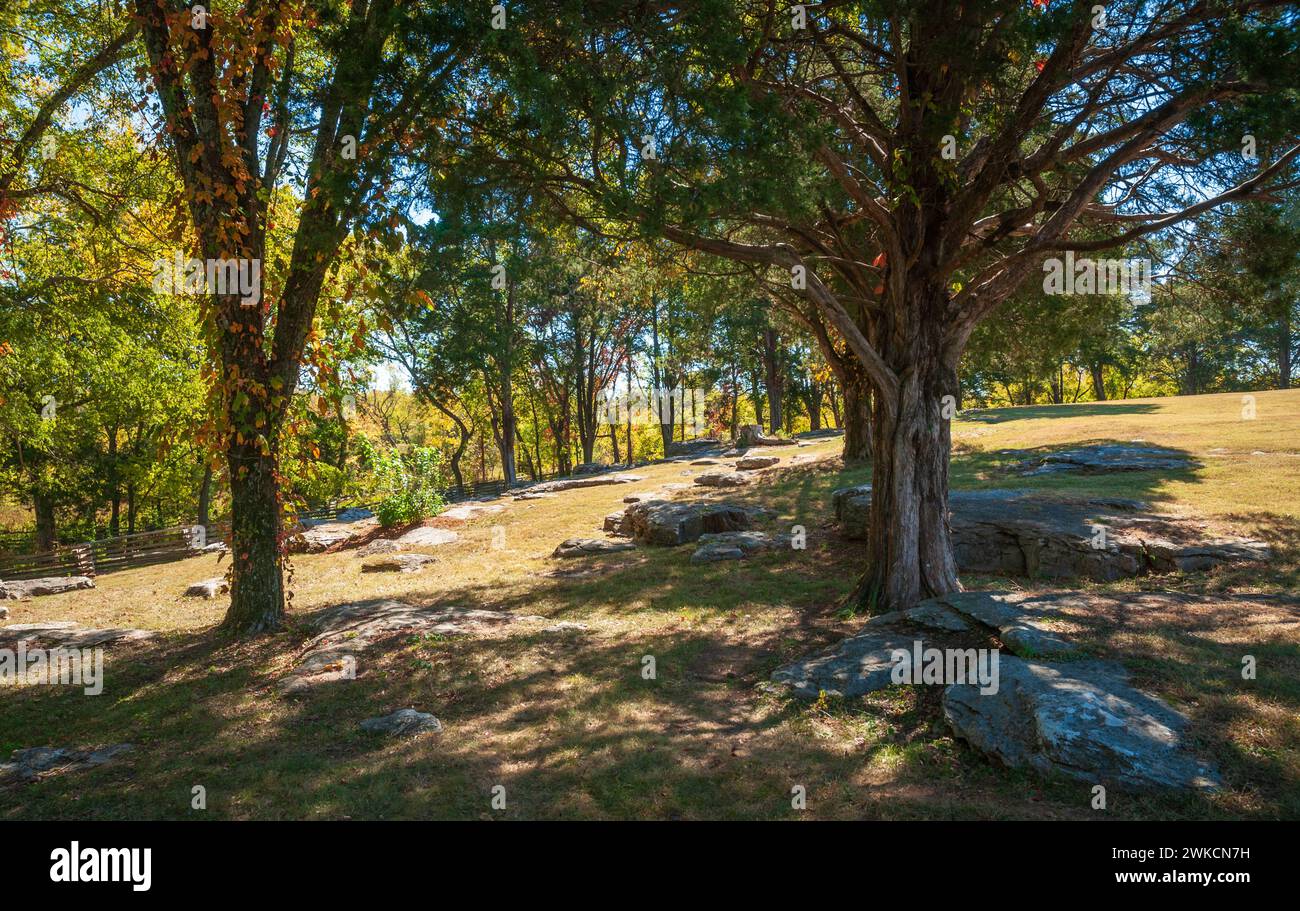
<point>108,554</point>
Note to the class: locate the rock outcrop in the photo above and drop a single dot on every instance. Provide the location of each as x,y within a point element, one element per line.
<point>586,547</point>
<point>344,632</point>
<point>67,634</point>
<point>34,588</point>
<point>1080,719</point>
<point>721,479</point>
<point>751,435</point>
<point>403,723</point>
<point>1104,459</point>
<point>40,762</point>
<point>398,563</point>
<point>668,523</point>
<point>208,588</point>
<point>1027,533</point>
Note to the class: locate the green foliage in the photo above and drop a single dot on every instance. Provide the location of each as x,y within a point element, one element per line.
<point>409,484</point>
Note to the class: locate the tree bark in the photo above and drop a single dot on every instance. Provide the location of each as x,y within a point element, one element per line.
<point>910,553</point>
<point>257,587</point>
<point>856,419</point>
<point>43,506</point>
<point>774,383</point>
<point>1098,383</point>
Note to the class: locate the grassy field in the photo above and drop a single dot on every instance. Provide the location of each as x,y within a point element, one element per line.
<point>567,724</point>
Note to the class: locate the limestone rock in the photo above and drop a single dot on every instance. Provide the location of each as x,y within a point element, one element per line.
<point>427,536</point>
<point>208,588</point>
<point>617,523</point>
<point>35,762</point>
<point>403,723</point>
<point>347,630</point>
<point>752,463</point>
<point>721,479</point>
<point>380,546</point>
<point>704,462</point>
<point>753,435</point>
<point>465,512</point>
<point>323,536</point>
<point>67,634</point>
<point>1104,459</point>
<point>1022,622</point>
<point>584,547</point>
<point>1080,719</point>
<point>731,545</point>
<point>861,664</point>
<point>1027,533</point>
<point>398,563</point>
<point>599,480</point>
<point>669,523</point>
<point>54,585</point>
<point>691,447</point>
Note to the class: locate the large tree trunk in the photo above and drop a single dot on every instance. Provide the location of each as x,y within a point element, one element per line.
<point>910,553</point>
<point>856,419</point>
<point>814,405</point>
<point>1098,383</point>
<point>257,589</point>
<point>774,380</point>
<point>43,506</point>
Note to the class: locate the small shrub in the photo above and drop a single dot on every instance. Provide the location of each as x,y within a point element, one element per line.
<point>408,485</point>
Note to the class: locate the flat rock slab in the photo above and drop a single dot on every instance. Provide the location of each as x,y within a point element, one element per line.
<point>751,435</point>
<point>668,523</point>
<point>530,495</point>
<point>752,463</point>
<point>54,585</point>
<point>704,462</point>
<point>1028,533</point>
<point>721,479</point>
<point>1080,719</point>
<point>586,547</point>
<point>322,537</point>
<point>403,723</point>
<point>208,588</point>
<point>67,634</point>
<point>617,523</point>
<point>1102,460</point>
<point>731,545</point>
<point>346,631</point>
<point>379,546</point>
<point>1023,622</point>
<point>600,480</point>
<point>427,536</point>
<point>691,447</point>
<point>398,563</point>
<point>464,512</point>
<point>863,663</point>
<point>38,762</point>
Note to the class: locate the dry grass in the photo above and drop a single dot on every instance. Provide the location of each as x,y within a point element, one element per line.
<point>567,724</point>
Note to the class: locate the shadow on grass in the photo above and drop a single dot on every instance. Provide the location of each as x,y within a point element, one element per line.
<point>995,468</point>
<point>1033,412</point>
<point>570,727</point>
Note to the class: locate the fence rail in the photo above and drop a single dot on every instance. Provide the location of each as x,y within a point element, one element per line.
<point>164,545</point>
<point>105,555</point>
